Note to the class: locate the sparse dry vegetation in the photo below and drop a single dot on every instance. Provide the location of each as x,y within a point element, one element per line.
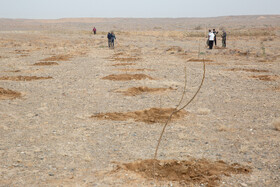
<point>45,63</point>
<point>127,77</point>
<point>23,78</point>
<point>75,127</point>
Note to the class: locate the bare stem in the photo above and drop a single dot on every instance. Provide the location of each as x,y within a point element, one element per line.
<point>177,110</point>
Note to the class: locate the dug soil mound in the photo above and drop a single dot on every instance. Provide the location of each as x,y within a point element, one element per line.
<point>8,94</point>
<point>139,90</point>
<point>248,70</point>
<point>265,77</point>
<point>57,58</point>
<point>127,77</point>
<point>24,78</point>
<point>195,171</point>
<point>199,60</point>
<point>45,63</point>
<point>153,115</point>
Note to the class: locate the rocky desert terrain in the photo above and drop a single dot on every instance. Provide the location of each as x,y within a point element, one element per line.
<point>75,113</point>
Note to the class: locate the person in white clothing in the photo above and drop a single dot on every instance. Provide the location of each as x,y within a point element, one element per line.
<point>211,38</point>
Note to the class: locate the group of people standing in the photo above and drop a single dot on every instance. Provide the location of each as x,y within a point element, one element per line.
<point>212,38</point>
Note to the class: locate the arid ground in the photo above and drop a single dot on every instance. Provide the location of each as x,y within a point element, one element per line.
<point>75,113</point>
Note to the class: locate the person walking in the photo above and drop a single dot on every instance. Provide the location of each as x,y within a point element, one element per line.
<point>109,36</point>
<point>211,37</point>
<point>215,38</point>
<point>113,37</point>
<point>224,38</point>
<point>94,30</point>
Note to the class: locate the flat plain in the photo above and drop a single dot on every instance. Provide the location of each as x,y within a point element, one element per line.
<point>75,113</point>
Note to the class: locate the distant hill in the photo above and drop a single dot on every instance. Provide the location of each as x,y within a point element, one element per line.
<point>140,23</point>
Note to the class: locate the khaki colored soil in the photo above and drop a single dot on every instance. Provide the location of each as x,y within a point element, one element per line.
<point>71,127</point>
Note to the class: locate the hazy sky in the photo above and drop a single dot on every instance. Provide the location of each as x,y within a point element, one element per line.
<point>45,9</point>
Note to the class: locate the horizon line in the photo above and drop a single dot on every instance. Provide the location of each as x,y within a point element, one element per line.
<point>138,17</point>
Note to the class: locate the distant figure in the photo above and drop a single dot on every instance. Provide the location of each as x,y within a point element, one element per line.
<point>224,38</point>
<point>207,42</point>
<point>109,36</point>
<point>94,30</point>
<point>113,37</point>
<point>211,38</point>
<point>215,38</point>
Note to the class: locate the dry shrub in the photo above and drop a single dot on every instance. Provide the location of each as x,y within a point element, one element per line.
<point>8,94</point>
<point>14,71</point>
<point>203,111</point>
<point>252,32</point>
<point>276,124</point>
<point>237,52</point>
<point>57,58</point>
<point>194,171</point>
<point>17,51</point>
<point>134,70</point>
<point>248,70</point>
<point>45,63</point>
<point>174,49</point>
<point>265,77</point>
<point>199,27</point>
<point>124,64</point>
<point>153,115</point>
<point>199,60</point>
<point>267,39</point>
<point>23,78</point>
<point>139,90</point>
<point>276,88</point>
<point>268,59</point>
<point>125,59</point>
<point>127,77</point>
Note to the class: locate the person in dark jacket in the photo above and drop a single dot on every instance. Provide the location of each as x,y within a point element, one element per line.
<point>224,38</point>
<point>94,30</point>
<point>113,37</point>
<point>109,36</point>
<point>215,33</point>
